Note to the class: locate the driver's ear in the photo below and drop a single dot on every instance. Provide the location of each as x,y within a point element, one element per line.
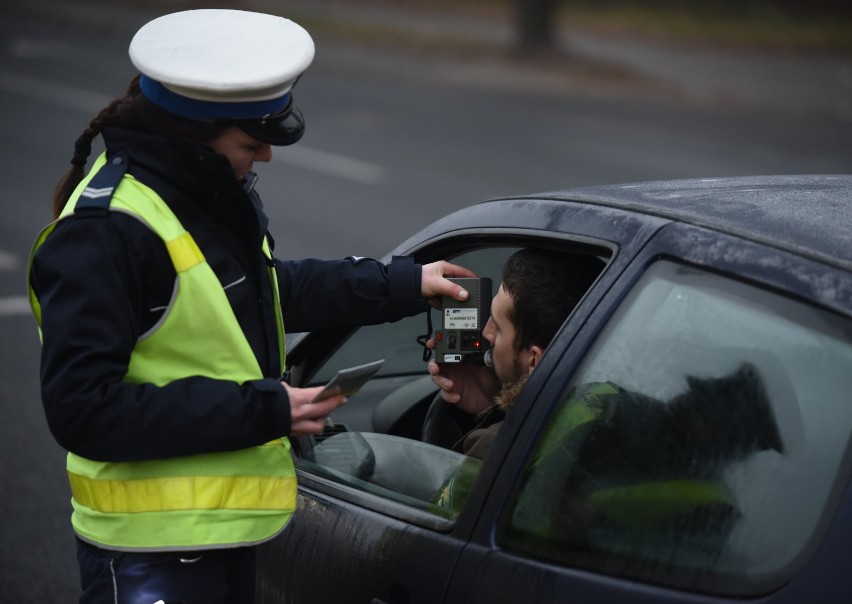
<point>534,354</point>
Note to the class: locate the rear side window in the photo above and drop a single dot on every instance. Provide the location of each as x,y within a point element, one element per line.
<point>701,444</point>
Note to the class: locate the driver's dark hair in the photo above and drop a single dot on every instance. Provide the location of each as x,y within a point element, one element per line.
<point>133,111</point>
<point>545,286</point>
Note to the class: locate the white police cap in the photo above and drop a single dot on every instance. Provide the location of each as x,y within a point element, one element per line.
<point>225,65</point>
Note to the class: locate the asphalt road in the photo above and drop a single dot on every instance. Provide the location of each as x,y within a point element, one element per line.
<point>395,139</point>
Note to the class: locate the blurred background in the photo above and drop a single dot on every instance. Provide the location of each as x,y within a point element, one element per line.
<point>414,108</point>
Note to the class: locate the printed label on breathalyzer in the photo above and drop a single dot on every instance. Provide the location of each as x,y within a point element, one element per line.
<point>461,318</point>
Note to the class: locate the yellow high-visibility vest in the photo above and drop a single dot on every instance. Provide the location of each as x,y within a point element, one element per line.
<point>210,500</point>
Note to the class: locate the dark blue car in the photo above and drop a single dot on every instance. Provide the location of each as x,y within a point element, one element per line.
<point>713,466</point>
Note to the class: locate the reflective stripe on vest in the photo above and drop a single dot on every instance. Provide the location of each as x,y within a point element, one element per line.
<point>648,505</point>
<point>199,501</point>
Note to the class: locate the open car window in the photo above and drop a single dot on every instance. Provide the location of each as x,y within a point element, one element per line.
<point>386,404</point>
<point>700,444</point>
<point>375,446</point>
<point>397,342</point>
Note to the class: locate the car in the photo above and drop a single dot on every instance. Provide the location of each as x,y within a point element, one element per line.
<point>714,466</point>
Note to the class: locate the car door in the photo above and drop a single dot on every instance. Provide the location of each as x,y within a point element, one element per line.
<point>690,443</point>
<point>377,519</point>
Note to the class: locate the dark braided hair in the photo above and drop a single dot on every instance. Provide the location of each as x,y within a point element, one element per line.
<point>133,111</point>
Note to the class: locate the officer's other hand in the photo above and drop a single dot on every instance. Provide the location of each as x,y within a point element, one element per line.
<point>434,282</point>
<point>471,387</point>
<point>307,415</point>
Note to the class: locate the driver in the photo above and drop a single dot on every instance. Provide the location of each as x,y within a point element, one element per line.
<point>539,290</point>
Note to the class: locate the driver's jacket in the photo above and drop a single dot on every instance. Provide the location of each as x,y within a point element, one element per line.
<point>165,387</point>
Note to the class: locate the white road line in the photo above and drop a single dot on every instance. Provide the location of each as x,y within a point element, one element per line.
<point>14,306</point>
<point>30,48</point>
<point>323,162</point>
<point>8,261</point>
<point>332,164</point>
<point>53,92</point>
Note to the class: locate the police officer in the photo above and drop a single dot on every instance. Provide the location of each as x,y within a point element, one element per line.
<point>159,302</point>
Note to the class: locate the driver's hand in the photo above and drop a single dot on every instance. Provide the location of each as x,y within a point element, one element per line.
<point>306,415</point>
<point>471,387</point>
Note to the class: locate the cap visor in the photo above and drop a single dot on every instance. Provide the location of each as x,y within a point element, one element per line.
<point>279,133</point>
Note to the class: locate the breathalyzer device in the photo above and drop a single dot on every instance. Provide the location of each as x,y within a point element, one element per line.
<point>459,338</point>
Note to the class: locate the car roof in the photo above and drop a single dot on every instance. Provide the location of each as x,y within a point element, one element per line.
<point>810,215</point>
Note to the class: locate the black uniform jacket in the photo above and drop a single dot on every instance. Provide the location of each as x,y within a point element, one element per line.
<point>104,280</point>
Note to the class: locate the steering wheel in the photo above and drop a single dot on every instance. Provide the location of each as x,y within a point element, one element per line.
<point>445,424</point>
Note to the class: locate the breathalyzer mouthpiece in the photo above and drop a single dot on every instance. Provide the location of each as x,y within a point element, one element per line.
<point>489,362</point>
